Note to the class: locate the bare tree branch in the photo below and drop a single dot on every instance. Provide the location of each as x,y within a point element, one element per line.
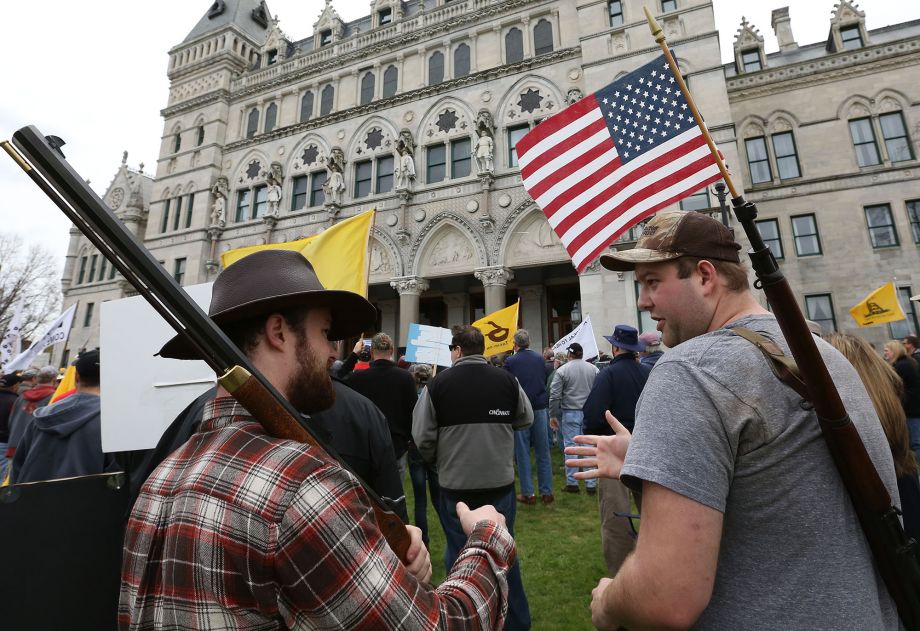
<point>32,276</point>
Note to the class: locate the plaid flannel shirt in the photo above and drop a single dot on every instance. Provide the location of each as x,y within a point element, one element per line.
<point>238,530</point>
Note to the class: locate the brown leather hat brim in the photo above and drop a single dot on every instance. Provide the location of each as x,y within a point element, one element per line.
<point>352,315</point>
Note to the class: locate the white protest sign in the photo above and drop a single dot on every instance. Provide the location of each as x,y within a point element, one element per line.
<point>428,345</point>
<point>582,334</point>
<point>142,394</point>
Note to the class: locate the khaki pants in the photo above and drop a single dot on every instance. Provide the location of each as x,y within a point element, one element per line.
<point>616,535</point>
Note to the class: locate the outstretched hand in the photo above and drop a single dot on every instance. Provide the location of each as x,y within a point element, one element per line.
<point>604,454</point>
<point>468,518</point>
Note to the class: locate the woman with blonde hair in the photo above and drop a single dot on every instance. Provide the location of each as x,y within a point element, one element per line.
<point>885,388</point>
<point>909,372</point>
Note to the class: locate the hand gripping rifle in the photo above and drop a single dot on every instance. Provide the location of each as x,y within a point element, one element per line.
<point>893,551</point>
<point>45,164</point>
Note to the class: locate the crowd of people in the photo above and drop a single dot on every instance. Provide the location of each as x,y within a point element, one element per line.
<point>233,528</point>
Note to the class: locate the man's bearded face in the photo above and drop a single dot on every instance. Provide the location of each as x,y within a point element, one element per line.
<point>310,388</point>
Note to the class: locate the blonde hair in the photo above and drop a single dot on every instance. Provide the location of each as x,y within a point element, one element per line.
<point>896,349</point>
<point>885,389</point>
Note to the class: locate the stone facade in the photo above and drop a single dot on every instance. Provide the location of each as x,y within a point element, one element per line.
<point>268,139</point>
<point>841,128</point>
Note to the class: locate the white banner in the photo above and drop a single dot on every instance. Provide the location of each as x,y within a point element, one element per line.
<point>57,333</point>
<point>584,335</point>
<point>10,346</point>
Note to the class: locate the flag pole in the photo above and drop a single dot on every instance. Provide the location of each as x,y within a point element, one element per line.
<point>658,34</point>
<point>367,271</point>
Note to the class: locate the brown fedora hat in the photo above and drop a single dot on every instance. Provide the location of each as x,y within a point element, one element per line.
<point>269,281</point>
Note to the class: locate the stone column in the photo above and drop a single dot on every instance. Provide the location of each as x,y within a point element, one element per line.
<point>455,309</point>
<point>410,288</point>
<point>494,279</point>
<point>532,314</point>
<point>389,314</point>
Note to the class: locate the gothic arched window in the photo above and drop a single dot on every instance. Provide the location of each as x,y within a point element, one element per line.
<point>436,68</point>
<point>252,123</point>
<point>367,88</point>
<point>306,106</point>
<point>461,61</point>
<point>271,117</point>
<point>325,100</point>
<point>390,79</point>
<point>543,37</point>
<point>514,46</point>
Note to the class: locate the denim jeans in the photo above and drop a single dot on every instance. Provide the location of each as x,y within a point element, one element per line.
<point>420,472</point>
<point>913,429</point>
<point>571,427</point>
<point>534,436</point>
<point>518,610</point>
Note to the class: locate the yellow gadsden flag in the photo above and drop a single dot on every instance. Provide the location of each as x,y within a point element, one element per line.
<point>338,254</point>
<point>879,307</point>
<point>499,329</point>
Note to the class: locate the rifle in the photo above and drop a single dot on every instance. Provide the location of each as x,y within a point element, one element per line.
<point>46,166</point>
<point>892,549</point>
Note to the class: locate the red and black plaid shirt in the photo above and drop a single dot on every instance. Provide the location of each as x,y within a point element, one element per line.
<point>238,530</point>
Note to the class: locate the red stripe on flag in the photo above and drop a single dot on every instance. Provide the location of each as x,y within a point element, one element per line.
<point>644,193</point>
<point>541,186</point>
<point>628,178</point>
<point>553,124</point>
<point>572,141</point>
<point>648,213</point>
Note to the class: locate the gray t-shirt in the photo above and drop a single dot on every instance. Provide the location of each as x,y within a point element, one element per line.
<point>715,425</point>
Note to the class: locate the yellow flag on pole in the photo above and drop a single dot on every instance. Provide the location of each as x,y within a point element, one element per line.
<point>67,386</point>
<point>499,328</point>
<point>338,254</point>
<point>879,307</point>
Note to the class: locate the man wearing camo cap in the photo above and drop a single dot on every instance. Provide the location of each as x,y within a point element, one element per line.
<point>743,510</point>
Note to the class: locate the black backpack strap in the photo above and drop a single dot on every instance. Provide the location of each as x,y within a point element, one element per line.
<point>784,367</point>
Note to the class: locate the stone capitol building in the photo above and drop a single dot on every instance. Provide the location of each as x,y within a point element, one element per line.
<point>414,111</point>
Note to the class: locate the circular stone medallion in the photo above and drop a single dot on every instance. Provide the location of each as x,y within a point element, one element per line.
<point>505,200</point>
<point>392,220</point>
<point>419,215</point>
<point>472,206</point>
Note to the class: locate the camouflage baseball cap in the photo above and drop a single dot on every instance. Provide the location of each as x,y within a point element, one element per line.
<point>671,235</point>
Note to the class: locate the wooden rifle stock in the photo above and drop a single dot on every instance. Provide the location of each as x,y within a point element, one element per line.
<point>46,166</point>
<point>892,549</point>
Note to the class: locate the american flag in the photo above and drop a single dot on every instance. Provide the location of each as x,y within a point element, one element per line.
<point>614,158</point>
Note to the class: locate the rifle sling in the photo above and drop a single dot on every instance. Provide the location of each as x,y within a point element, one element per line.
<point>783,366</point>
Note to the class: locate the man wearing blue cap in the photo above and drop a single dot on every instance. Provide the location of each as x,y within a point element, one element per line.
<point>617,388</point>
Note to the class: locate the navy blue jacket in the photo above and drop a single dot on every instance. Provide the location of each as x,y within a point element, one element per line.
<point>64,440</point>
<point>617,388</point>
<point>530,369</point>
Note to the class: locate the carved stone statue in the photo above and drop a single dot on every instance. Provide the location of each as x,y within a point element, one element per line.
<point>273,195</point>
<point>405,171</point>
<point>485,122</point>
<point>334,186</point>
<point>405,137</point>
<point>573,95</point>
<point>484,152</point>
<point>220,190</point>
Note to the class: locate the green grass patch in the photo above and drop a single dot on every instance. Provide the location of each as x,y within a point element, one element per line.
<point>559,547</point>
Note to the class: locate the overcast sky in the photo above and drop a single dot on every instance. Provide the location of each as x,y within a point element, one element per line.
<point>94,73</point>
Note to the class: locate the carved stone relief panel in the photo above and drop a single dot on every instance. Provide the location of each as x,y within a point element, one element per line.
<point>381,264</point>
<point>533,241</point>
<point>450,252</point>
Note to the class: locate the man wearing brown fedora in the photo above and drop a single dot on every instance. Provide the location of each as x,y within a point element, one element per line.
<point>745,520</point>
<point>237,529</point>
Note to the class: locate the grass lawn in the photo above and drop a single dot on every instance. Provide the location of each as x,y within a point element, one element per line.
<point>559,547</point>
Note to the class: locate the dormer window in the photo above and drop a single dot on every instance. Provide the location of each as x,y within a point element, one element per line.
<point>271,57</point>
<point>750,59</point>
<point>325,37</point>
<point>384,16</point>
<point>851,37</point>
